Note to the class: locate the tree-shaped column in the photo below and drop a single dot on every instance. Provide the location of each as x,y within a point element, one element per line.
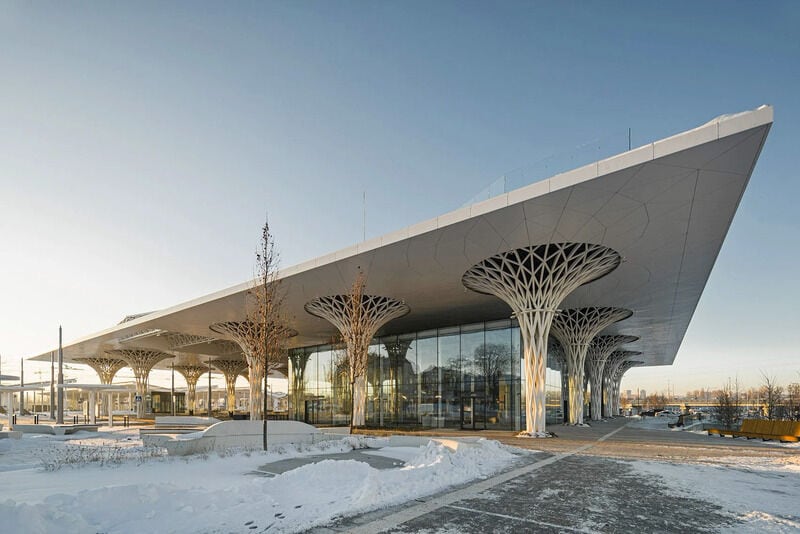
<point>556,360</point>
<point>231,369</point>
<point>598,352</point>
<point>615,395</point>
<point>191,373</point>
<point>612,365</point>
<point>575,329</point>
<point>533,281</point>
<point>247,335</point>
<point>357,319</point>
<point>260,359</point>
<point>141,361</point>
<point>105,368</point>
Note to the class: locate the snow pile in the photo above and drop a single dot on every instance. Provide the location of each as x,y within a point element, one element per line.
<point>760,493</point>
<point>651,423</point>
<point>225,493</point>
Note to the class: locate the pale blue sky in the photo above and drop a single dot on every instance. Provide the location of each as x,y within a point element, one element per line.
<point>141,144</point>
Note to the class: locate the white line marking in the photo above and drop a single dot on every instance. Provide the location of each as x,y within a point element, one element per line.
<point>515,518</point>
<point>413,512</point>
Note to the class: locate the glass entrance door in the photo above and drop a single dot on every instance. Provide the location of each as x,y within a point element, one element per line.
<point>473,412</point>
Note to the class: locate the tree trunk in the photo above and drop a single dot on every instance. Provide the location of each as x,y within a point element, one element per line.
<point>359,400</point>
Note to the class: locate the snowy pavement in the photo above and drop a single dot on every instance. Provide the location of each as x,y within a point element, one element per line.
<point>691,483</point>
<point>615,476</point>
<point>108,482</point>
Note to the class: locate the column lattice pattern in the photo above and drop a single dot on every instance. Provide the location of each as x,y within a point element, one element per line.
<point>141,361</point>
<point>596,355</point>
<point>575,329</point>
<point>357,325</point>
<point>245,333</point>
<point>191,373</point>
<point>612,365</point>
<point>626,365</point>
<point>231,369</point>
<point>533,281</point>
<point>105,368</point>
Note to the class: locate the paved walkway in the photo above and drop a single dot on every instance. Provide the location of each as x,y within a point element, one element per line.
<point>574,484</point>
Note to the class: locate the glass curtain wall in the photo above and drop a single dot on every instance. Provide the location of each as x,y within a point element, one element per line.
<point>459,377</point>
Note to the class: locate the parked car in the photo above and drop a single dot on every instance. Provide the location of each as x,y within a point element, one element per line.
<point>667,413</point>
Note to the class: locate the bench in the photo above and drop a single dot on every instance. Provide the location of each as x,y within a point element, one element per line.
<point>764,429</point>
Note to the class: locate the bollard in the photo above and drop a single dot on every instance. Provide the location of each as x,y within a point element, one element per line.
<point>36,419</point>
<point>14,419</point>
<point>74,419</point>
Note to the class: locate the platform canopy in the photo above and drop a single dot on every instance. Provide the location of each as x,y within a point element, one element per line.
<point>666,207</point>
<point>103,388</point>
<point>17,389</point>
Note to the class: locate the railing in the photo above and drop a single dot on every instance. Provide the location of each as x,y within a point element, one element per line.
<point>583,154</point>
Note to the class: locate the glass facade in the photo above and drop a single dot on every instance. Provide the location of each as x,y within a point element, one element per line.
<point>457,377</point>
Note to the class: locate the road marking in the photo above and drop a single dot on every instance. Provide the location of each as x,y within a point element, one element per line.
<point>412,512</point>
<point>524,520</point>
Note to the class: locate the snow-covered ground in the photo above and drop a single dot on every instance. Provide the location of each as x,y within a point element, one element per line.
<point>108,482</point>
<point>761,493</point>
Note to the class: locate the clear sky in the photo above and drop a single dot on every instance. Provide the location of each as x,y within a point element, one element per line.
<point>141,144</point>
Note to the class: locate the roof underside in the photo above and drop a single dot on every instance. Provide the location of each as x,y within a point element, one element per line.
<point>665,207</point>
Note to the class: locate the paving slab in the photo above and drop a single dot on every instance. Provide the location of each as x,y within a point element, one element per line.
<point>581,481</point>
<point>577,494</point>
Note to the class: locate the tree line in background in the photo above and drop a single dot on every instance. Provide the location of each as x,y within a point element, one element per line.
<point>769,401</point>
<point>732,403</point>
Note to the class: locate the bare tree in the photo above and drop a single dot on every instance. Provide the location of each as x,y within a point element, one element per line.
<point>793,400</point>
<point>491,361</point>
<point>299,359</point>
<point>357,338</point>
<point>269,332</point>
<point>339,377</point>
<point>727,408</point>
<point>358,317</point>
<point>771,396</point>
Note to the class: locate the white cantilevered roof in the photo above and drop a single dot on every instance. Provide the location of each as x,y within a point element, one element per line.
<point>665,207</point>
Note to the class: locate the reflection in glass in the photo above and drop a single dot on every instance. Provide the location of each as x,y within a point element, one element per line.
<point>468,376</point>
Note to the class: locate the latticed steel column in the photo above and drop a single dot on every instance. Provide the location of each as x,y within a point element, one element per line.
<point>191,373</point>
<point>623,368</point>
<point>599,350</point>
<point>612,365</point>
<point>575,329</point>
<point>141,361</point>
<point>105,368</point>
<point>245,333</point>
<point>231,369</point>
<point>533,281</point>
<point>374,312</point>
<point>555,352</point>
